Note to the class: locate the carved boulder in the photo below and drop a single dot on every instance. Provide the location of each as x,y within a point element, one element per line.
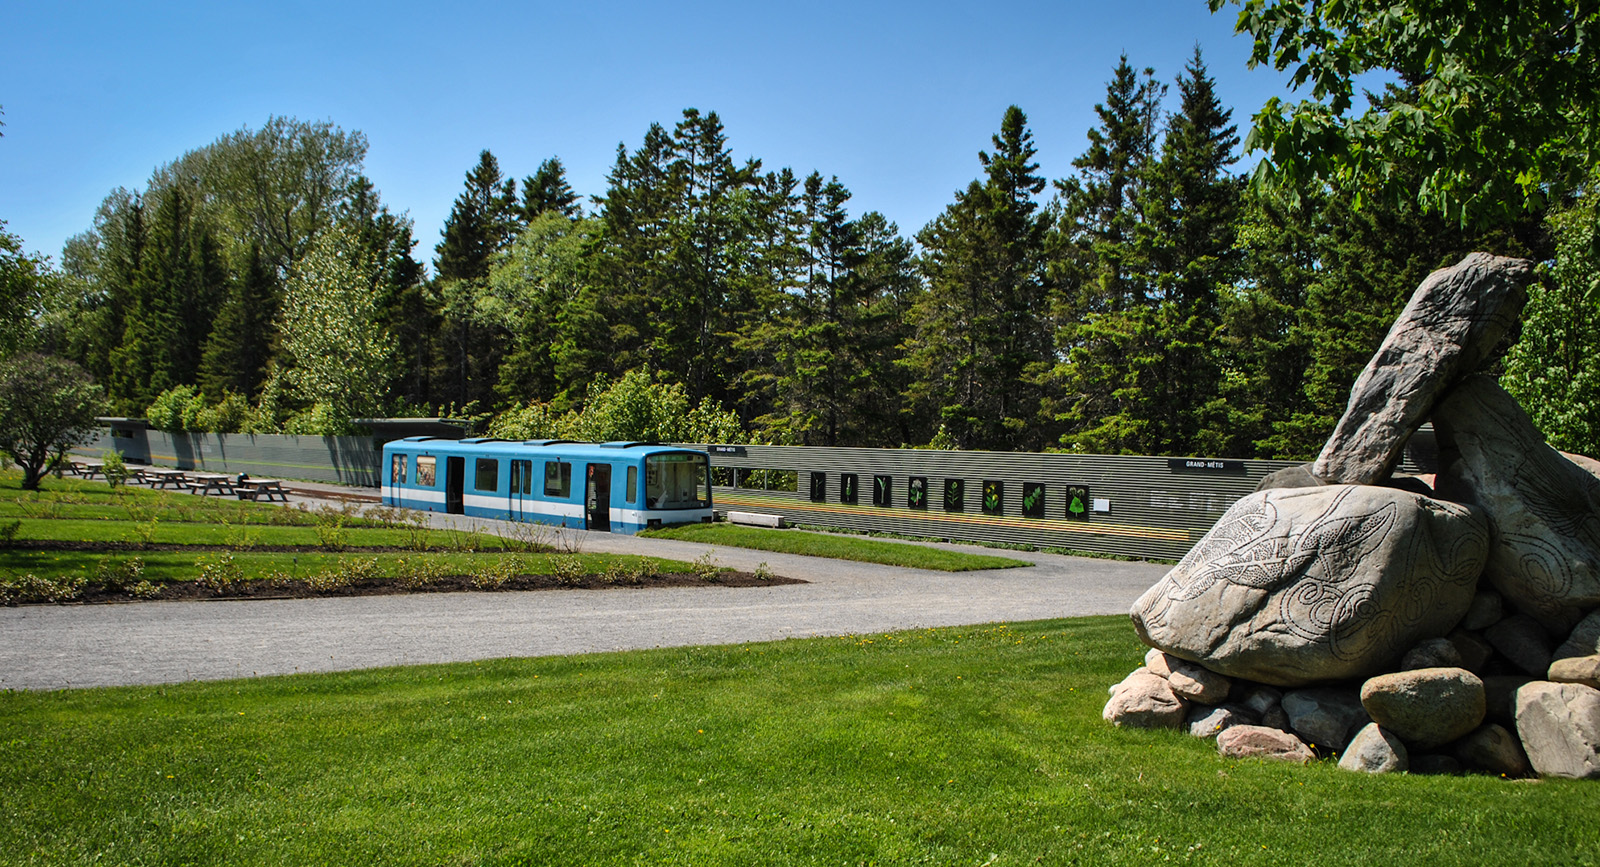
<point>1543,509</point>
<point>1451,327</point>
<point>1294,586</point>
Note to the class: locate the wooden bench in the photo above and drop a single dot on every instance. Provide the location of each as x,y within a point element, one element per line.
<point>255,489</point>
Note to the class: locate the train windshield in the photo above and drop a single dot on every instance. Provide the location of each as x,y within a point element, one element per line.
<point>678,481</point>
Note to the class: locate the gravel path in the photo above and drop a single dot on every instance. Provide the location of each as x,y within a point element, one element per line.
<point>52,647</point>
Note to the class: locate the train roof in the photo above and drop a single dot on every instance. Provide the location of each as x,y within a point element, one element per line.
<point>533,448</point>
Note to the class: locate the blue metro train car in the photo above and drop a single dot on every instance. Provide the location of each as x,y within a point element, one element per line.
<point>619,487</point>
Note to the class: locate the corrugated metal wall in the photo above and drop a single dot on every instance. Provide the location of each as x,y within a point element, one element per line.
<point>1155,509</point>
<point>342,460</point>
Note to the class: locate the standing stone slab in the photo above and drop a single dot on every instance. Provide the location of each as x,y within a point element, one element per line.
<point>1449,329</point>
<point>1299,585</point>
<point>1544,509</point>
<point>1559,724</point>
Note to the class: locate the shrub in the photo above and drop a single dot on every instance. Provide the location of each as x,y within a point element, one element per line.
<point>497,573</point>
<point>115,468</point>
<point>567,570</point>
<point>174,408</point>
<point>218,574</point>
<point>119,574</point>
<point>32,588</point>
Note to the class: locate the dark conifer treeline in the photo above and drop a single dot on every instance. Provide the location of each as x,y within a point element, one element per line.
<point>1153,304</point>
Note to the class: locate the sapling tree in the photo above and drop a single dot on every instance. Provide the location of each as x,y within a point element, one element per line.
<point>47,407</point>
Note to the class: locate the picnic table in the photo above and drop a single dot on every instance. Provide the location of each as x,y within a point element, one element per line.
<point>205,483</point>
<point>160,477</point>
<point>87,469</point>
<point>254,489</point>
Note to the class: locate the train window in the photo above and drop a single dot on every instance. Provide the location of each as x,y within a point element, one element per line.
<point>994,497</point>
<point>819,487</point>
<point>487,477</point>
<point>783,480</point>
<point>425,471</point>
<point>522,477</point>
<point>557,479</point>
<point>882,490</point>
<point>397,470</point>
<point>955,495</point>
<point>676,481</point>
<point>847,487</point>
<point>917,492</point>
<point>630,492</point>
<point>1032,500</point>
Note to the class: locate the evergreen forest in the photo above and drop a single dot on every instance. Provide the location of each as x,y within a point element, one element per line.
<point>1156,301</point>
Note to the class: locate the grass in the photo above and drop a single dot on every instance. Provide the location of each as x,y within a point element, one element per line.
<point>78,510</point>
<point>978,745</point>
<point>835,546</point>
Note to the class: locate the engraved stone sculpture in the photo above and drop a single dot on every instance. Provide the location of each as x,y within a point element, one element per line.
<point>1544,508</point>
<point>1450,327</point>
<point>1300,585</point>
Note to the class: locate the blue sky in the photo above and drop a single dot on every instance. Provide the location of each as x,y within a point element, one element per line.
<point>895,98</point>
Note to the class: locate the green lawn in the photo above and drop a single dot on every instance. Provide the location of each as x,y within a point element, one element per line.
<point>970,746</point>
<point>77,511</point>
<point>835,546</point>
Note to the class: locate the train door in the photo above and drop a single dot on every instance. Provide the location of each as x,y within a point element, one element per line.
<point>455,474</point>
<point>597,497</point>
<point>521,489</point>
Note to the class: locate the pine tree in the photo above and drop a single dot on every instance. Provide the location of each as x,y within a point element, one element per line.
<point>547,190</point>
<point>982,341</point>
<point>481,224</point>
<point>240,346</point>
<point>180,283</point>
<point>1105,290</point>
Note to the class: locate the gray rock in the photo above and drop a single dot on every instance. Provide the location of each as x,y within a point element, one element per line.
<point>1486,610</point>
<point>1428,707</point>
<point>1275,718</point>
<point>1375,751</point>
<point>1144,700</point>
<point>1325,716</point>
<point>1545,510</point>
<point>1473,649</point>
<point>1294,586</point>
<point>1559,724</point>
<point>1435,765</point>
<point>1500,696</point>
<point>1576,669</point>
<point>1259,699</point>
<point>1521,639</point>
<point>1584,640</point>
<point>1431,653</point>
<point>1450,328</point>
<point>1493,749</point>
<point>1206,722</point>
<point>1245,742</point>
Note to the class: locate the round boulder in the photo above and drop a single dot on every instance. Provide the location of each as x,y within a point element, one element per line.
<point>1143,700</point>
<point>1426,707</point>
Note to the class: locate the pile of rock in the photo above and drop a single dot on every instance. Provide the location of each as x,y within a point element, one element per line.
<point>1431,624</point>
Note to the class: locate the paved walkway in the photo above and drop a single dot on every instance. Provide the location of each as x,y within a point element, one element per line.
<point>51,647</point>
